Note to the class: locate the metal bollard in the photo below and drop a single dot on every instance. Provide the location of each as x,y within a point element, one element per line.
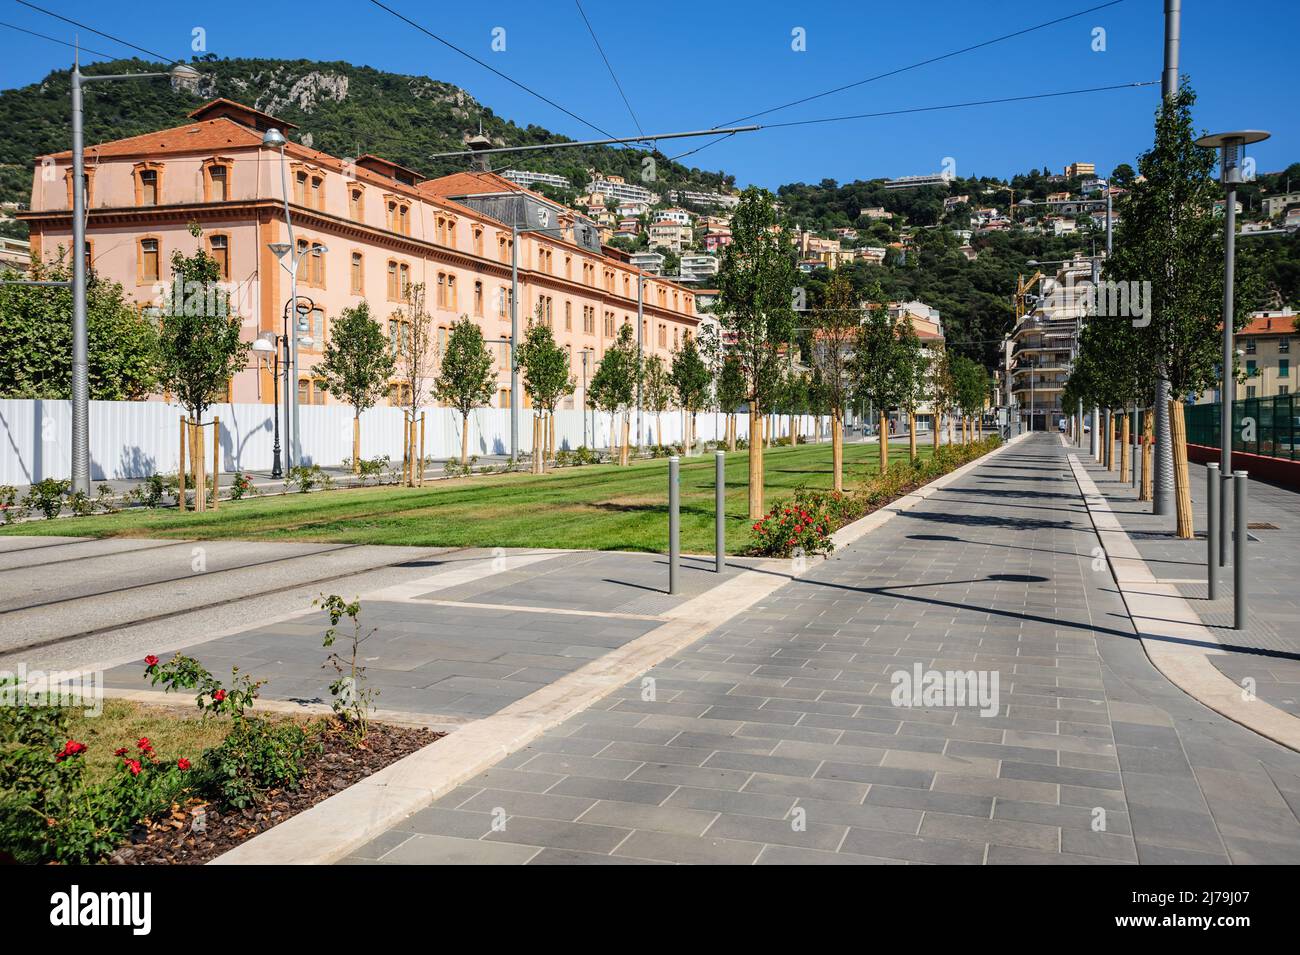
<point>1212,482</point>
<point>1239,550</point>
<point>719,511</point>
<point>674,522</point>
<point>1225,518</point>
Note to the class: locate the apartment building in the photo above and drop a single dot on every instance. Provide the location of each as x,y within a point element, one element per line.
<point>698,268</point>
<point>15,254</point>
<point>617,187</point>
<point>1044,342</point>
<point>376,230</point>
<point>523,177</point>
<point>915,182</point>
<point>1080,169</point>
<point>1266,356</point>
<point>670,235</point>
<point>680,216</point>
<point>1274,206</point>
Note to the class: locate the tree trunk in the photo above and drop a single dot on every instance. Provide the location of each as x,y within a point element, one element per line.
<point>950,430</point>
<point>623,450</point>
<point>731,433</point>
<point>1148,434</point>
<point>755,464</point>
<point>911,434</point>
<point>356,442</point>
<point>180,469</point>
<point>1182,483</point>
<point>1110,441</point>
<point>1124,441</point>
<point>794,432</point>
<point>550,435</point>
<point>837,450</point>
<point>200,479</point>
<point>884,441</point>
<point>464,440</point>
<point>938,424</point>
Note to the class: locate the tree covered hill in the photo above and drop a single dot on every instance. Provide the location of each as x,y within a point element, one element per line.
<point>343,109</point>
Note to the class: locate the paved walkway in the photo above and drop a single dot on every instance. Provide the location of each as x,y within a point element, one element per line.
<point>774,738</point>
<point>1268,651</point>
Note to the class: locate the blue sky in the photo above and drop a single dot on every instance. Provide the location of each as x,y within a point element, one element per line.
<point>695,65</point>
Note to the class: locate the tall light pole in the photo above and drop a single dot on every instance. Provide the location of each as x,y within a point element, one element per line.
<point>80,333</point>
<point>1230,150</point>
<point>1163,478</point>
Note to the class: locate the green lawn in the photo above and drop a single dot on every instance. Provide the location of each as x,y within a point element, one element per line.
<point>600,507</point>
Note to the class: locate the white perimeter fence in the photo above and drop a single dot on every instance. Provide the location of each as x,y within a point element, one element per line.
<point>134,439</point>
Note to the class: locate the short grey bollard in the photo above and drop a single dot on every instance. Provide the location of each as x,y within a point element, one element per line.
<point>674,522</point>
<point>1239,550</point>
<point>1212,481</point>
<point>719,510</point>
<point>1225,518</point>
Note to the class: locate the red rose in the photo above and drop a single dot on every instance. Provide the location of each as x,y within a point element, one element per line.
<point>143,743</point>
<point>120,752</point>
<point>798,528</point>
<point>70,748</point>
<point>151,661</point>
<point>182,763</point>
<point>134,766</point>
<point>219,696</point>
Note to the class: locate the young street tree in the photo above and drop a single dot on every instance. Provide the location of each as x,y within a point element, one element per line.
<point>1171,237</point>
<point>613,386</point>
<point>915,385</point>
<point>357,365</point>
<point>198,340</point>
<point>756,309</point>
<point>466,379</point>
<point>731,393</point>
<point>884,356</point>
<point>546,380</point>
<point>690,380</point>
<point>414,351</point>
<point>656,393</point>
<point>835,330</point>
<point>942,391</point>
<point>971,387</point>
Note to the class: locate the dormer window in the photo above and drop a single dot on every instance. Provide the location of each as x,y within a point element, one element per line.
<point>356,197</point>
<point>398,215</point>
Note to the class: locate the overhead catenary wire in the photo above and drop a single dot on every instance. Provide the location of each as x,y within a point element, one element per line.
<point>925,62</point>
<point>54,39</point>
<point>491,69</point>
<point>612,75</point>
<point>108,36</point>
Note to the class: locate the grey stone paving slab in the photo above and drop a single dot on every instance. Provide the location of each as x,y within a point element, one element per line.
<point>779,727</point>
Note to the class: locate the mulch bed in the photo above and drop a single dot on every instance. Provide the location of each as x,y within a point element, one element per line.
<point>196,833</point>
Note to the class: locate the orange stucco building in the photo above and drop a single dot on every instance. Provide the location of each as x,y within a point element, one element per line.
<point>383,228</point>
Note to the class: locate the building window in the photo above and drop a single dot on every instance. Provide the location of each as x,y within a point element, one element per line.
<point>1250,391</point>
<point>219,249</point>
<point>300,187</point>
<point>216,181</point>
<point>392,280</point>
<point>1251,370</point>
<point>505,398</point>
<point>1283,345</point>
<point>88,184</point>
<point>358,274</point>
<point>148,184</point>
<point>399,215</point>
<point>318,192</point>
<point>478,298</point>
<point>589,319</point>
<point>663,335</point>
<point>399,280</point>
<point>404,281</point>
<point>1250,346</point>
<point>356,197</point>
<point>147,261</point>
<point>568,316</point>
<point>478,240</point>
<point>1284,368</point>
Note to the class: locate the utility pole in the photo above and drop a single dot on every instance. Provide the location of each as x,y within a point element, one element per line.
<point>1163,478</point>
<point>640,323</point>
<point>80,336</point>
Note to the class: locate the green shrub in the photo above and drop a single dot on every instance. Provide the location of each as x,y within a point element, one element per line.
<point>154,489</point>
<point>308,476</point>
<point>242,486</point>
<point>10,510</point>
<point>48,813</point>
<point>47,497</point>
<point>256,757</point>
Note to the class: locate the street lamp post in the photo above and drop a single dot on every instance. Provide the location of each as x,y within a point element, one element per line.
<point>585,352</point>
<point>80,333</point>
<point>270,342</point>
<point>1230,149</point>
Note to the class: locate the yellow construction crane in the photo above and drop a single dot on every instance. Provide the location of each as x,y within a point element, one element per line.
<point>1023,289</point>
